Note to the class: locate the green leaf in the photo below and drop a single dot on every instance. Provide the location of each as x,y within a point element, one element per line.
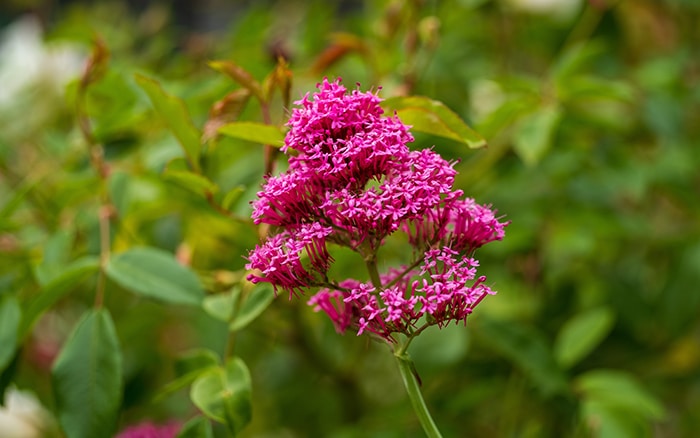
<point>198,427</point>
<point>55,257</point>
<point>240,75</point>
<point>533,135</point>
<point>187,368</point>
<point>156,274</point>
<point>87,378</point>
<point>255,132</point>
<point>224,395</point>
<point>527,349</point>
<point>174,112</point>
<point>620,390</point>
<point>219,306</point>
<point>65,283</point>
<point>232,197</point>
<point>433,117</point>
<point>254,304</point>
<point>10,317</point>
<point>192,181</point>
<point>581,334</point>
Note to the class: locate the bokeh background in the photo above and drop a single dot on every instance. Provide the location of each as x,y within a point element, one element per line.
<point>591,109</point>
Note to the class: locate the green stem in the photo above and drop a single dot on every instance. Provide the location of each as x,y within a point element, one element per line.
<point>410,380</point>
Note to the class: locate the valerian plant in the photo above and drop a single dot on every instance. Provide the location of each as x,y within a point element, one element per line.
<point>352,182</point>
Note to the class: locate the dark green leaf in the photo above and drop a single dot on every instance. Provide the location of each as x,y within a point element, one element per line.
<point>155,274</point>
<point>87,378</point>
<point>255,132</point>
<point>198,427</point>
<point>581,334</point>
<point>527,349</point>
<point>172,109</point>
<point>65,283</point>
<point>433,117</point>
<point>10,317</point>
<point>224,395</point>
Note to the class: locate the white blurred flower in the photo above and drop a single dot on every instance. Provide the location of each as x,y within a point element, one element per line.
<point>26,61</point>
<point>23,416</point>
<point>558,9</point>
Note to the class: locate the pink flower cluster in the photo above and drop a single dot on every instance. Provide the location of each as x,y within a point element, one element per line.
<point>353,182</point>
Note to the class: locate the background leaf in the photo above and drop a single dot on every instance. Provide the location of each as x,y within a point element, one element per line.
<point>87,378</point>
<point>156,274</point>
<point>224,394</point>
<point>581,334</point>
<point>433,117</point>
<point>175,114</point>
<point>256,301</point>
<point>10,317</point>
<point>198,427</point>
<point>255,132</point>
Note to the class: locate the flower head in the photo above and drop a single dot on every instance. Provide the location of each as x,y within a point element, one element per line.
<point>151,430</point>
<point>352,183</point>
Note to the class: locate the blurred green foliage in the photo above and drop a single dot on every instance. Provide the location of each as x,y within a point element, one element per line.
<point>591,116</point>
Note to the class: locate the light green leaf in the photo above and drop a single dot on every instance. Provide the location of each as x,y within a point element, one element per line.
<point>55,257</point>
<point>174,112</point>
<point>198,427</point>
<point>10,317</point>
<point>63,284</point>
<point>533,135</point>
<point>224,395</point>
<point>232,197</point>
<point>255,132</point>
<point>155,274</point>
<point>620,390</point>
<point>219,306</point>
<point>255,302</point>
<point>87,378</point>
<point>433,117</point>
<point>581,334</point>
<point>192,181</point>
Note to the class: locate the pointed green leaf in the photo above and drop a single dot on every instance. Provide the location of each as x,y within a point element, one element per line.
<point>198,427</point>
<point>254,304</point>
<point>232,197</point>
<point>174,112</point>
<point>10,317</point>
<point>224,395</point>
<point>156,274</point>
<point>63,284</point>
<point>87,378</point>
<point>240,75</point>
<point>187,368</point>
<point>255,132</point>
<point>433,117</point>
<point>191,181</point>
<point>533,135</point>
<point>581,334</point>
